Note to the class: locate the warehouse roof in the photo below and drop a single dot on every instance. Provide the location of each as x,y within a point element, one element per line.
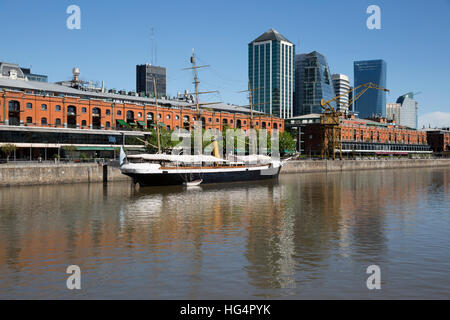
<point>44,87</point>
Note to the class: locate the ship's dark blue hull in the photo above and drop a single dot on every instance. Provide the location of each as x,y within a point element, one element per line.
<point>167,179</point>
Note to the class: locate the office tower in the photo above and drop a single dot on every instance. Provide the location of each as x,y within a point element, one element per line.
<point>144,79</point>
<point>404,111</point>
<point>341,84</point>
<point>271,74</point>
<point>373,102</point>
<point>393,112</point>
<point>312,83</point>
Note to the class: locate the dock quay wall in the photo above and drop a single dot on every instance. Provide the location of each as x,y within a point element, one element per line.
<point>36,174</point>
<point>303,166</point>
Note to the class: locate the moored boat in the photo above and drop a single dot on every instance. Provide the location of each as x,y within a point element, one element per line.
<point>166,169</point>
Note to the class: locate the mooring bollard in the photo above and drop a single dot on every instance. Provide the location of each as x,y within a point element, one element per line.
<point>105,173</point>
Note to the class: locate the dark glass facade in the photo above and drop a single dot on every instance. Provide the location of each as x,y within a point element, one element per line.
<point>312,83</point>
<point>144,80</point>
<point>372,102</point>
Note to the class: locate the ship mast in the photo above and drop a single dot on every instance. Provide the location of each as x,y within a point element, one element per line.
<point>197,82</point>
<point>251,105</point>
<point>157,115</point>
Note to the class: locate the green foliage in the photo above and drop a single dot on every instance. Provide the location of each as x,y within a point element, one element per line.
<point>287,143</point>
<point>69,148</point>
<point>165,138</point>
<point>8,149</point>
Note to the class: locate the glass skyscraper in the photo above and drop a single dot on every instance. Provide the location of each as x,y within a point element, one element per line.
<point>271,74</point>
<point>373,102</point>
<point>312,83</point>
<point>408,110</point>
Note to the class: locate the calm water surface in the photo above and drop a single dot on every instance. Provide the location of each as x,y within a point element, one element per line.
<point>305,236</point>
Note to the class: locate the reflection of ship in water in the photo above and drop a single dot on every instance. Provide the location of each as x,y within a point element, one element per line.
<point>286,234</point>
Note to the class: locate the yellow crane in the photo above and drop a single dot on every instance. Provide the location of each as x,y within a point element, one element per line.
<point>330,121</point>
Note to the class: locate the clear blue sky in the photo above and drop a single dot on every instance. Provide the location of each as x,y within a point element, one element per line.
<point>115,36</point>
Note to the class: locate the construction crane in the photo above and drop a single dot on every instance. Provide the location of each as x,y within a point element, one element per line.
<point>330,121</point>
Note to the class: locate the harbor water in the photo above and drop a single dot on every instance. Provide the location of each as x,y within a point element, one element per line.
<point>304,236</point>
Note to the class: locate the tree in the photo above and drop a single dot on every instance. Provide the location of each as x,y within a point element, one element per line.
<point>69,151</point>
<point>165,139</point>
<point>8,149</point>
<point>287,143</point>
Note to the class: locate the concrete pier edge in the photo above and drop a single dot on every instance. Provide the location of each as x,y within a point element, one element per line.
<point>46,174</point>
<point>305,166</point>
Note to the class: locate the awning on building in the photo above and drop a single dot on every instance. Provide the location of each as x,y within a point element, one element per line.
<point>142,123</point>
<point>121,122</point>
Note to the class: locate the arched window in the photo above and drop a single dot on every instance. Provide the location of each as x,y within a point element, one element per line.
<point>29,106</point>
<point>168,117</point>
<point>83,110</point>
<point>275,125</point>
<point>58,122</point>
<point>83,123</point>
<point>44,121</point>
<point>130,116</point>
<point>43,107</point>
<point>108,124</point>
<point>71,110</point>
<point>108,112</point>
<point>58,107</point>
<point>29,120</point>
<point>14,113</point>
<point>119,113</point>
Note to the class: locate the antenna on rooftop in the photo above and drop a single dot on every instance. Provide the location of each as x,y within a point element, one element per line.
<point>152,40</point>
<point>153,55</point>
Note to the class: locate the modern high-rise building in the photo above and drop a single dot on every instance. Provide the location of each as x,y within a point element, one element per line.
<point>373,102</point>
<point>404,111</point>
<point>393,112</point>
<point>341,84</point>
<point>271,74</point>
<point>144,80</point>
<point>312,83</point>
<point>408,113</point>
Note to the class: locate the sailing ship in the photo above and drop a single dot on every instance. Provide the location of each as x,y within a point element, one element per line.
<point>169,169</point>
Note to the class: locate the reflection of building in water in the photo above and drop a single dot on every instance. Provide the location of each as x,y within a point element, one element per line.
<point>270,244</point>
<point>286,234</point>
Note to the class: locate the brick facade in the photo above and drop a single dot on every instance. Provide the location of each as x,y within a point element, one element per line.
<point>27,109</point>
